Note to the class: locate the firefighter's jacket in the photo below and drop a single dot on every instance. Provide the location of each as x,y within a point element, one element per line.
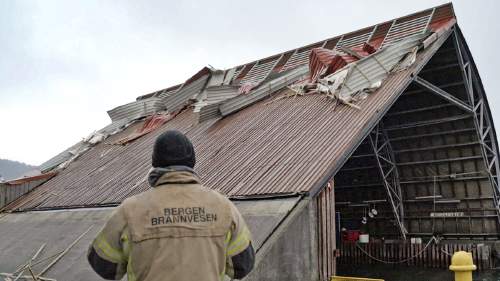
<point>179,230</point>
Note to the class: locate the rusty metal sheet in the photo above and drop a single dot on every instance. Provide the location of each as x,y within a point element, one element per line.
<point>30,179</point>
<point>150,124</point>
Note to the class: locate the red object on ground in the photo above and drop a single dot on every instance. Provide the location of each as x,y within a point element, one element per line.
<point>352,235</point>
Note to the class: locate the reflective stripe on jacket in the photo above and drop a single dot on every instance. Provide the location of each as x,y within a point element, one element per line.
<point>178,230</point>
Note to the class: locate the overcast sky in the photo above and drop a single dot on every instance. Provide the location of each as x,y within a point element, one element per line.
<point>63,64</point>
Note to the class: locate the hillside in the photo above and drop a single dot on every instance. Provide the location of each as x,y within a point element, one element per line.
<point>12,169</point>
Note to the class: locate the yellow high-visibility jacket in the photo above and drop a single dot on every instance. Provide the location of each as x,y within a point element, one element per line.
<point>178,230</point>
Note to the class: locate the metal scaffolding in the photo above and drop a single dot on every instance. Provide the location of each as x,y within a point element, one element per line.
<point>387,166</point>
<point>475,105</point>
<point>482,118</point>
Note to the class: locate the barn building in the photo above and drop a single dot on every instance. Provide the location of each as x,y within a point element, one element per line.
<point>385,131</point>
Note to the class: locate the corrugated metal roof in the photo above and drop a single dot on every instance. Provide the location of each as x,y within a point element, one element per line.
<point>165,92</point>
<point>253,75</point>
<point>219,93</point>
<point>28,179</point>
<point>208,112</point>
<point>59,158</point>
<point>287,146</point>
<point>259,72</point>
<point>150,124</point>
<point>114,127</point>
<point>369,70</point>
<point>263,168</point>
<point>408,26</point>
<point>385,33</point>
<point>234,104</point>
<point>67,154</point>
<point>136,109</point>
<point>187,92</point>
<point>215,95</point>
<point>256,72</point>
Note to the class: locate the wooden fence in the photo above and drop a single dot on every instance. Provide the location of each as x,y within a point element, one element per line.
<point>434,256</point>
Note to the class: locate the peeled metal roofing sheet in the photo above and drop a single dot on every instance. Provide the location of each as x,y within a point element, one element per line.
<point>357,40</point>
<point>114,127</point>
<point>220,93</point>
<point>136,109</point>
<point>59,158</point>
<point>23,234</point>
<point>259,72</point>
<point>300,57</point>
<point>66,154</point>
<point>208,112</point>
<point>238,102</point>
<point>400,30</point>
<point>179,98</point>
<point>374,67</point>
<point>283,147</point>
<point>403,26</point>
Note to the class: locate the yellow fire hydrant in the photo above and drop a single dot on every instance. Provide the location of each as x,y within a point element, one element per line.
<point>462,265</point>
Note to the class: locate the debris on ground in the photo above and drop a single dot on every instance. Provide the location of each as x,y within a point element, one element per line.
<point>26,271</point>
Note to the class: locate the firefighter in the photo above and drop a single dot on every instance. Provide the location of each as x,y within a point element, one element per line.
<point>177,230</point>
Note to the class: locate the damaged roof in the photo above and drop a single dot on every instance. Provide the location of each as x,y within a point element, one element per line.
<point>263,146</point>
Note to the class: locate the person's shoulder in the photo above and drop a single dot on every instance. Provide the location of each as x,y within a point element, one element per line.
<point>217,195</point>
<point>135,199</point>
